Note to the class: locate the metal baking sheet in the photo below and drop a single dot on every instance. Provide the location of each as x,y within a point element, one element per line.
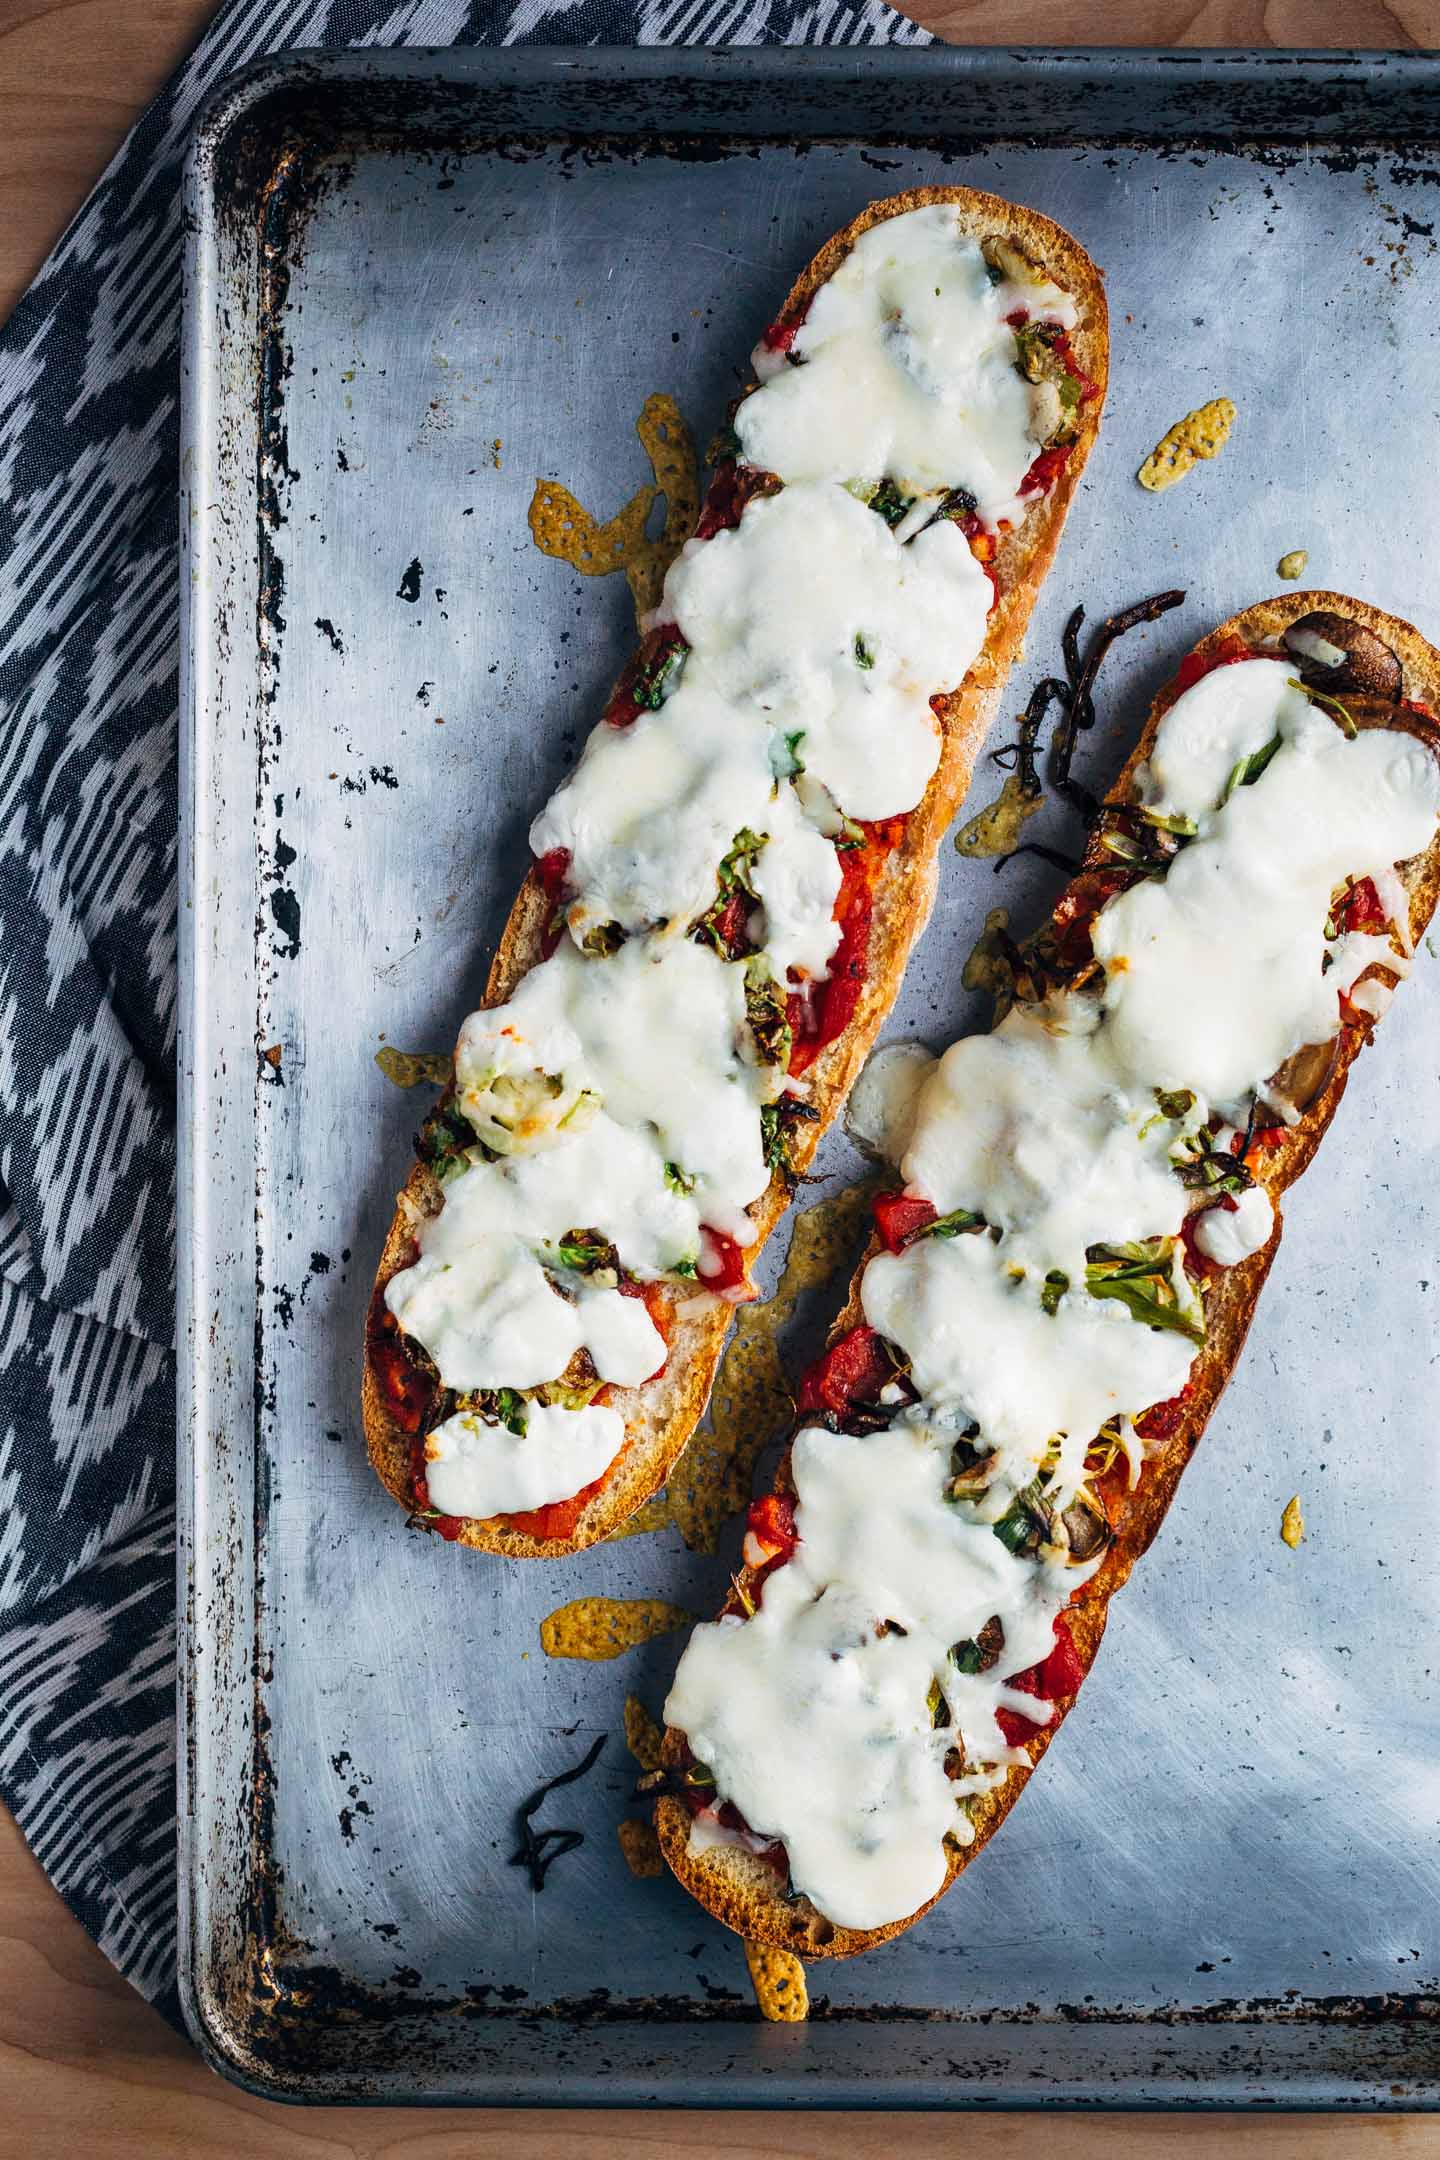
<point>416,283</point>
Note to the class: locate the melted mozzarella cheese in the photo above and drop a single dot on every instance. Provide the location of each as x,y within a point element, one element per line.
<point>651,810</point>
<point>815,1723</point>
<point>797,882</point>
<point>479,1299</point>
<point>1037,1129</point>
<point>907,370</point>
<point>1214,975</point>
<point>979,1341</point>
<point>622,1094</point>
<point>472,1468</point>
<point>811,1714</point>
<point>1227,1235</point>
<point>1229,714</point>
<point>847,661</point>
<point>880,1115</point>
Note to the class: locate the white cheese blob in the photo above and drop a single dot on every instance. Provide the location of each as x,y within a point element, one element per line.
<point>908,370</point>
<point>845,655</point>
<point>472,1468</point>
<point>654,1034</point>
<point>797,882</point>
<point>1229,1234</point>
<point>979,1341</point>
<point>652,809</point>
<point>817,1725</point>
<point>1039,1130</point>
<point>1216,974</point>
<point>491,1316</point>
<point>880,1115</point>
<point>1230,714</point>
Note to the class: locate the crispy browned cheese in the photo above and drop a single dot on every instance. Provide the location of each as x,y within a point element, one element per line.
<point>779,1981</point>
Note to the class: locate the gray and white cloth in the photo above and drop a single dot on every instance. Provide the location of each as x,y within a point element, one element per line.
<point>88,691</point>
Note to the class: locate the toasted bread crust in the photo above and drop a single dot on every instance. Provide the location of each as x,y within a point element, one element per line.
<point>660,1416</point>
<point>738,1887</point>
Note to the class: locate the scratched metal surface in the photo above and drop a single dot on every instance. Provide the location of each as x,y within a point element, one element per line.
<point>1223,1886</point>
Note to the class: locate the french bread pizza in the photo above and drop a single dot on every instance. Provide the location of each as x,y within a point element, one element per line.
<point>1058,1290</point>
<point>724,890</point>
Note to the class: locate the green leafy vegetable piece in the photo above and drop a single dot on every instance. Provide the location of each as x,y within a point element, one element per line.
<point>1184,828</point>
<point>1055,1286</point>
<point>676,1179</point>
<point>864,653</point>
<point>955,1224</point>
<point>888,502</point>
<point>1248,769</point>
<point>1330,704</point>
<point>603,940</point>
<point>655,681</point>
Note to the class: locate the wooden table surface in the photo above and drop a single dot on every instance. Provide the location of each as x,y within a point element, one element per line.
<point>85,2066</point>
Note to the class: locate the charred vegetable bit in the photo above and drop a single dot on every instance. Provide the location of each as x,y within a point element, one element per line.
<point>887,502</point>
<point>603,941</point>
<point>725,924</point>
<point>446,1141</point>
<point>1214,1171</point>
<point>767,1013</point>
<point>957,1224</point>
<point>585,1251</point>
<point>777,1127</point>
<point>498,1406</point>
<point>538,1850</point>
<point>1025,1525</point>
<point>1075,696</point>
<point>658,677</point>
<point>1080,712</point>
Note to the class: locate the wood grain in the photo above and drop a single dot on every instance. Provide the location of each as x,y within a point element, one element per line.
<point>85,2066</point>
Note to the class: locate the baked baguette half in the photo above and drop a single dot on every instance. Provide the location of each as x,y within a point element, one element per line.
<point>1272,783</point>
<point>813,1018</point>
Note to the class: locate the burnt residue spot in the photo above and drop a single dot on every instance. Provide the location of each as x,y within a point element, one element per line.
<point>409,586</point>
<point>347,1825</point>
<point>383,776</point>
<point>285,908</point>
<point>389,1929</point>
<point>327,628</point>
<point>340,458</point>
<point>284,856</point>
<point>422,695</point>
<point>284,1308</point>
<point>538,1850</point>
<point>319,1263</point>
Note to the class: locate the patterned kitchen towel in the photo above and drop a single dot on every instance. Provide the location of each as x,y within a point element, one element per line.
<point>88,684</point>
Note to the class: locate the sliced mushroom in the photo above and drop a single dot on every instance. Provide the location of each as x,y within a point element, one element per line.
<point>1337,654</point>
<point>1086,1529</point>
<point>1304,1075</point>
<point>1003,255</point>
